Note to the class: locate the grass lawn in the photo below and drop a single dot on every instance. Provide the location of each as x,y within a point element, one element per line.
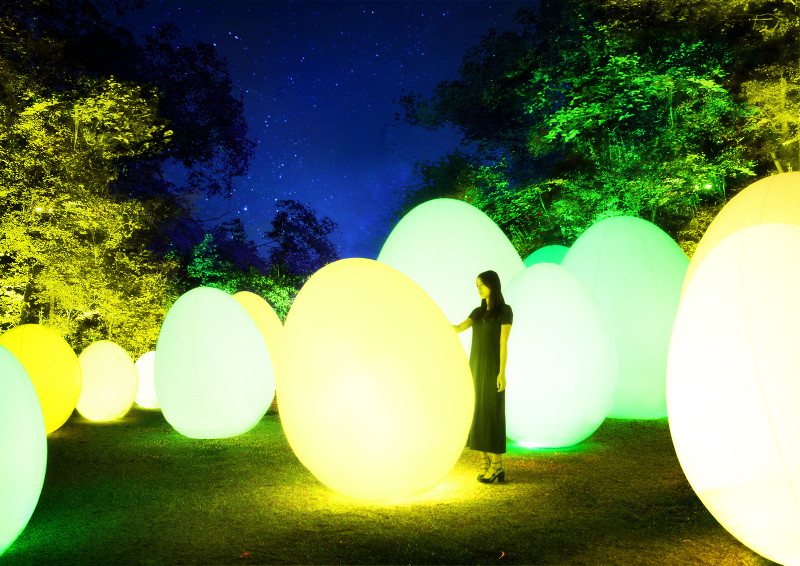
<point>137,492</point>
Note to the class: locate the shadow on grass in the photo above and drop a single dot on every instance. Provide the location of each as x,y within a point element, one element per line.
<point>137,492</point>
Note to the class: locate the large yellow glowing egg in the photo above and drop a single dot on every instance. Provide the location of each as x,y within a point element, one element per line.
<point>212,366</point>
<point>772,199</point>
<point>376,395</point>
<point>52,367</point>
<point>109,381</point>
<point>268,324</point>
<point>635,271</point>
<point>562,364</point>
<point>733,387</point>
<point>145,370</point>
<point>23,448</point>
<point>442,245</point>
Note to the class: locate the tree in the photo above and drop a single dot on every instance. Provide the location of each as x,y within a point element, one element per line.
<point>74,255</point>
<point>610,126</point>
<point>300,239</point>
<point>764,37</point>
<point>483,102</point>
<point>105,120</point>
<point>61,41</point>
<point>207,267</point>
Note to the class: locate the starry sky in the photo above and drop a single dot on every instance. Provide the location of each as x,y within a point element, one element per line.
<point>317,79</point>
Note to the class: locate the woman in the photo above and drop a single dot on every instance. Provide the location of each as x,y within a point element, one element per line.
<point>491,325</point>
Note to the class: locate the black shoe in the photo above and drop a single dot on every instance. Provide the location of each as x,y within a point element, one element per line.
<point>484,467</point>
<point>499,474</point>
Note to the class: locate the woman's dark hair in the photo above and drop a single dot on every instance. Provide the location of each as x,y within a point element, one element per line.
<point>492,280</point>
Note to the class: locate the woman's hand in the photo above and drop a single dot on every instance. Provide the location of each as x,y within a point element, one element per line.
<point>501,381</point>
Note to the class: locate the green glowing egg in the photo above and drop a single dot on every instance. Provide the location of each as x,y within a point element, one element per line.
<point>52,367</point>
<point>375,392</point>
<point>733,387</point>
<point>547,254</point>
<point>562,364</point>
<point>23,448</point>
<point>212,366</point>
<point>635,271</point>
<point>442,245</point>
<point>109,382</point>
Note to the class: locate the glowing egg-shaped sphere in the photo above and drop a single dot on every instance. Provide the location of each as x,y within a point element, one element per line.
<point>52,367</point>
<point>772,199</point>
<point>547,254</point>
<point>635,271</point>
<point>145,371</point>
<point>733,387</point>
<point>211,366</point>
<point>270,327</point>
<point>109,381</point>
<point>23,448</point>
<point>373,382</point>
<point>442,245</point>
<point>562,364</point>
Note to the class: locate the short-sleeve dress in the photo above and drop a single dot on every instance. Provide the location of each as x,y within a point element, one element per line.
<point>488,431</point>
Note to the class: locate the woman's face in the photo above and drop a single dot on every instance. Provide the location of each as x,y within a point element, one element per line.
<point>483,290</point>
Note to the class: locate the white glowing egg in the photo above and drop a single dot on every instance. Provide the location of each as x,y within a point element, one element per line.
<point>145,370</point>
<point>211,366</point>
<point>376,395</point>
<point>109,382</point>
<point>442,245</point>
<point>562,365</point>
<point>23,448</point>
<point>635,271</point>
<point>733,387</point>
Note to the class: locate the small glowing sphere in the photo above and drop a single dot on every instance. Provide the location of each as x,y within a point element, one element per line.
<point>52,367</point>
<point>270,327</point>
<point>211,366</point>
<point>376,393</point>
<point>562,364</point>
<point>442,245</point>
<point>733,391</point>
<point>23,448</point>
<point>772,199</point>
<point>109,382</point>
<point>635,271</point>
<point>547,254</point>
<point>145,371</point>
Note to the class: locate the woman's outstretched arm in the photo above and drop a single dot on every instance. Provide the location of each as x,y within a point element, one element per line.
<point>463,326</point>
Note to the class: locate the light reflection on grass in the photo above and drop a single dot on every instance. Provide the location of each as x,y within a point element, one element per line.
<point>141,493</point>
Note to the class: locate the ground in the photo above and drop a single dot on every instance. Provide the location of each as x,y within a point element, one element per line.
<point>137,492</point>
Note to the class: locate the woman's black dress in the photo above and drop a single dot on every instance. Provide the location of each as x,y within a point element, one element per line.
<point>488,431</point>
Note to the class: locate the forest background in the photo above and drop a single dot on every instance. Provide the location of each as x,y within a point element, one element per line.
<point>581,110</point>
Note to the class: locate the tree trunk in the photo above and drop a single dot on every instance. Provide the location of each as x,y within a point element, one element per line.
<point>26,315</point>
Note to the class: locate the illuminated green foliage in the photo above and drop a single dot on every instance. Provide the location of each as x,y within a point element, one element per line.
<point>577,121</point>
<point>208,268</point>
<point>764,70</point>
<point>643,134</point>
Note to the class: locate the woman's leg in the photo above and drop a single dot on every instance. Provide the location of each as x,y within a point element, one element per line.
<point>496,464</point>
<point>484,462</point>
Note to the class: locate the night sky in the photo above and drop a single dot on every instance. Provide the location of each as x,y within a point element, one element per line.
<point>317,80</point>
